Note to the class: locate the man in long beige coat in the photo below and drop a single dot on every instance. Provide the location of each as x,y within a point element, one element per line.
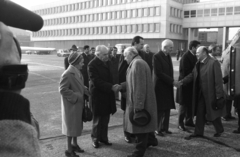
<point>140,95</point>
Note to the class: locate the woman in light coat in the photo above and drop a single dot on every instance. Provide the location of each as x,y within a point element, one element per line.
<point>72,91</point>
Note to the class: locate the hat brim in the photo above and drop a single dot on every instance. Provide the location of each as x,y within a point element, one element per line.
<point>140,124</point>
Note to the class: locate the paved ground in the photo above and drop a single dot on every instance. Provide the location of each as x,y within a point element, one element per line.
<point>42,91</point>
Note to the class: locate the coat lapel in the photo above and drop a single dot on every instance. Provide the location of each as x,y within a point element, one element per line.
<point>168,60</point>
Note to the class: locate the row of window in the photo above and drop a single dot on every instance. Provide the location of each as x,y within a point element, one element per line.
<point>174,28</point>
<point>212,12</point>
<point>186,1</point>
<point>141,12</point>
<point>83,5</point>
<point>136,28</point>
<point>174,12</point>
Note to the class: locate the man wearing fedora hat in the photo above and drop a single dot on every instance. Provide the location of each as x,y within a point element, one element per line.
<point>141,110</point>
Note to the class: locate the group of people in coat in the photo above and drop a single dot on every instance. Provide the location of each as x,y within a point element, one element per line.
<point>146,82</point>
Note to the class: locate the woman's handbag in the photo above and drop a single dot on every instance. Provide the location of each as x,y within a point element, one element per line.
<point>87,115</point>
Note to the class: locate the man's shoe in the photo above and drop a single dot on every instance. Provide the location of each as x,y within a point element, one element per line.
<point>217,135</point>
<point>182,128</point>
<point>71,154</point>
<point>95,144</point>
<point>77,149</point>
<point>236,131</point>
<point>168,132</point>
<point>193,136</point>
<point>127,139</point>
<point>231,118</point>
<point>190,125</point>
<point>153,143</point>
<point>159,133</point>
<point>106,143</point>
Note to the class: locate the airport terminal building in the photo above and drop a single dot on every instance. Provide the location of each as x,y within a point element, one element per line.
<point>111,22</point>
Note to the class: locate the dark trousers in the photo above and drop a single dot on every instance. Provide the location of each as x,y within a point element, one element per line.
<point>100,128</point>
<point>142,141</point>
<point>163,120</point>
<point>201,120</point>
<point>238,112</point>
<point>228,108</point>
<point>185,112</point>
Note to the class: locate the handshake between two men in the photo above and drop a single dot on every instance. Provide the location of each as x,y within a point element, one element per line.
<point>116,87</point>
<point>177,83</point>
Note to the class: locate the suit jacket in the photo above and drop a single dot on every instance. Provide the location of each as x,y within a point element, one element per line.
<point>149,58</point>
<point>163,81</point>
<point>122,68</point>
<point>114,67</point>
<point>211,86</point>
<point>102,99</point>
<point>187,64</point>
<point>140,95</point>
<point>87,59</point>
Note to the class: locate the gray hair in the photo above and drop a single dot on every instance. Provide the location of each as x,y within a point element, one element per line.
<point>99,49</point>
<point>166,42</point>
<point>131,50</point>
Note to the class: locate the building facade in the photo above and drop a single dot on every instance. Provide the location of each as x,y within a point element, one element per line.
<point>111,22</point>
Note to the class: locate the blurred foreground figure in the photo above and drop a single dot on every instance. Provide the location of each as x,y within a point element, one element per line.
<point>18,138</point>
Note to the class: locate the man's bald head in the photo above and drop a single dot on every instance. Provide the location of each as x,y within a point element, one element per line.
<point>8,50</point>
<point>201,53</point>
<point>167,46</point>
<point>102,52</point>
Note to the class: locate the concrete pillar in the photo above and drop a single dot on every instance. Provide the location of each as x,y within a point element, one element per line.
<point>225,37</point>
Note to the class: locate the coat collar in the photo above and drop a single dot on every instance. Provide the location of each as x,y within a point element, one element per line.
<point>74,71</point>
<point>136,57</point>
<point>101,63</point>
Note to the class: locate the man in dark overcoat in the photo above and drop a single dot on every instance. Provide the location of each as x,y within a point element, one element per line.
<point>184,93</point>
<point>207,89</point>
<point>102,95</point>
<point>163,84</point>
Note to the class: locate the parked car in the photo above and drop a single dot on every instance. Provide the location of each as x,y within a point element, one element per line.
<point>31,52</point>
<point>63,53</point>
<point>42,52</point>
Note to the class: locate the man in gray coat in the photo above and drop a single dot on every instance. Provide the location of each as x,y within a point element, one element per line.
<point>139,96</point>
<point>207,89</point>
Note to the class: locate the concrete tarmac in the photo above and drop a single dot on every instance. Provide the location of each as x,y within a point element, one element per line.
<point>174,145</point>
